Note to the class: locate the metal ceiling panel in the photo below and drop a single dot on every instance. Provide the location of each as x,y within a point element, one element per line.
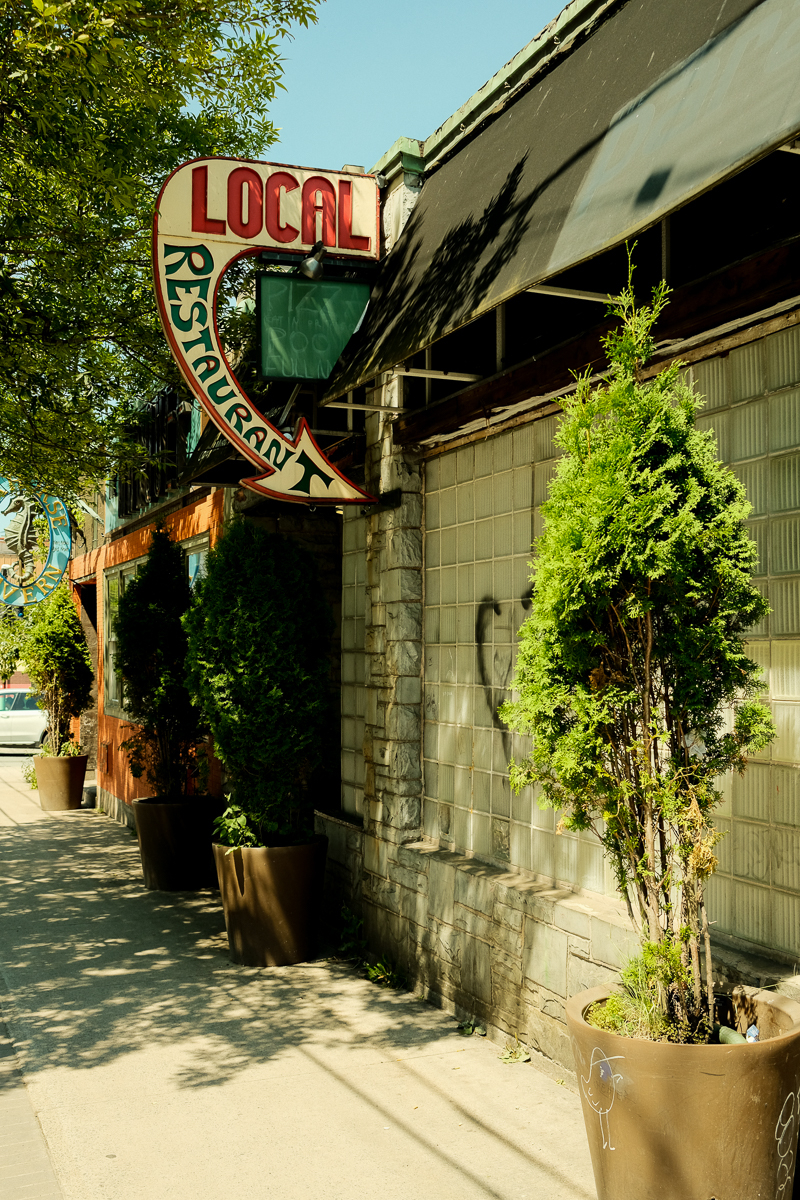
<point>664,99</point>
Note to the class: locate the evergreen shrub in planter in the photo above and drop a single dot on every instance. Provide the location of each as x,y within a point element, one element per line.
<point>167,739</point>
<point>634,684</point>
<point>259,668</point>
<point>59,666</point>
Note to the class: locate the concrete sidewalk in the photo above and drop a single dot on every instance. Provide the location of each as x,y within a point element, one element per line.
<point>155,1069</point>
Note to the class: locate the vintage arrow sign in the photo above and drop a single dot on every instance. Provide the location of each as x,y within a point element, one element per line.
<point>211,212</point>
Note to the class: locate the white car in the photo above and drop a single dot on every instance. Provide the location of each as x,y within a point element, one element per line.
<point>22,722</point>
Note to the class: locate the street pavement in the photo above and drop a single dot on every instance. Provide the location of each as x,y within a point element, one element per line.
<point>138,1063</point>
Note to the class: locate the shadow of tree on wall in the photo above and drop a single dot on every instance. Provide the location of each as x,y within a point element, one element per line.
<point>455,283</point>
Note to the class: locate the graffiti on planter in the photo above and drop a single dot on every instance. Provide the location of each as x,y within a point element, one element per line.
<point>600,1089</point>
<point>495,663</point>
<point>786,1137</point>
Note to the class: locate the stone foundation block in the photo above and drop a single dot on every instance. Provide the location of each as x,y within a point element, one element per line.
<point>549,1036</point>
<point>473,923</point>
<point>545,956</point>
<point>402,658</point>
<point>404,621</point>
<point>415,881</point>
<point>416,857</point>
<point>414,907</point>
<point>582,975</point>
<point>506,967</point>
<point>505,915</point>
<point>574,917</point>
<point>578,945</point>
<point>403,721</point>
<point>382,892</point>
<point>385,932</point>
<point>375,639</point>
<point>508,940</point>
<point>474,887</point>
<point>441,890</point>
<point>403,548</point>
<point>613,944</point>
<point>376,856</point>
<point>408,689</point>
<point>402,583</point>
<point>445,942</point>
<point>476,970</point>
<point>404,475</point>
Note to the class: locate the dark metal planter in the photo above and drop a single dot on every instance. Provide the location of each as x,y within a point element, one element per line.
<point>272,900</point>
<point>670,1122</point>
<point>60,781</point>
<point>175,842</point>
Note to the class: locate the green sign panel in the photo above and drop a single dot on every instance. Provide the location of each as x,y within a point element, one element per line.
<point>306,324</point>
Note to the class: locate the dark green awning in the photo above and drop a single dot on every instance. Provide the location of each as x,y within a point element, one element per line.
<point>662,101</point>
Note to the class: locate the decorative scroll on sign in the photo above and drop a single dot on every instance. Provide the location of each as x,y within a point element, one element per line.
<point>211,212</point>
<point>30,580</point>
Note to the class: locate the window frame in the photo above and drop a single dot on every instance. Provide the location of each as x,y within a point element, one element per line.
<point>112,690</point>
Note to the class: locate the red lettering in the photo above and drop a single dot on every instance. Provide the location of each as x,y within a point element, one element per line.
<point>319,197</point>
<point>201,223</point>
<point>347,239</point>
<point>241,180</point>
<point>272,204</point>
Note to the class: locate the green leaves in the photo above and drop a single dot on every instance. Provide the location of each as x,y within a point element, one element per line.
<point>151,657</point>
<point>632,675</point>
<point>58,663</point>
<point>233,828</point>
<point>98,103</point>
<point>259,668</point>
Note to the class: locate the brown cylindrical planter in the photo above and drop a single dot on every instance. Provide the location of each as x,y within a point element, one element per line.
<point>672,1122</point>
<point>175,840</point>
<point>272,897</point>
<point>60,781</point>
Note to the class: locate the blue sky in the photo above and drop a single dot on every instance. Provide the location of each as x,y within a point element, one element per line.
<point>371,71</point>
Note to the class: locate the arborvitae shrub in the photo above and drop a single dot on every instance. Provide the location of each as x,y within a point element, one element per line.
<point>633,678</point>
<point>151,658</point>
<point>259,667</point>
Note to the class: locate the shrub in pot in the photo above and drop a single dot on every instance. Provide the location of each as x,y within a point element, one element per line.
<point>166,743</point>
<point>59,667</point>
<point>634,684</point>
<point>259,667</point>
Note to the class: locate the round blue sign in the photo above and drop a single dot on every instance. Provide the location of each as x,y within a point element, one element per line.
<point>28,584</point>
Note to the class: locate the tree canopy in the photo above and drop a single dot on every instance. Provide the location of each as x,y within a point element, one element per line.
<point>98,103</point>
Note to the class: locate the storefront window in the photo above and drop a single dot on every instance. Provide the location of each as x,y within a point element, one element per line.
<point>115,582</point>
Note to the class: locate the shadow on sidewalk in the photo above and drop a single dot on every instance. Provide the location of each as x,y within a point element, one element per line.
<point>96,968</point>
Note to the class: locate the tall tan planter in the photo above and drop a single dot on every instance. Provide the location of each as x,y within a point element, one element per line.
<point>272,898</point>
<point>60,781</point>
<point>669,1122</point>
<point>175,842</point>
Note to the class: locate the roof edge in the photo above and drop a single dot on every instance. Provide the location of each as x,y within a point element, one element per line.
<point>556,38</point>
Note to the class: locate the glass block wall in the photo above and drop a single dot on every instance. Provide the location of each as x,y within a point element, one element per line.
<point>354,660</point>
<point>481,513</point>
<point>753,405</point>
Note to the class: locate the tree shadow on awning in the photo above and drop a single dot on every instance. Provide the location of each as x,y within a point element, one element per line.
<point>463,268</point>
